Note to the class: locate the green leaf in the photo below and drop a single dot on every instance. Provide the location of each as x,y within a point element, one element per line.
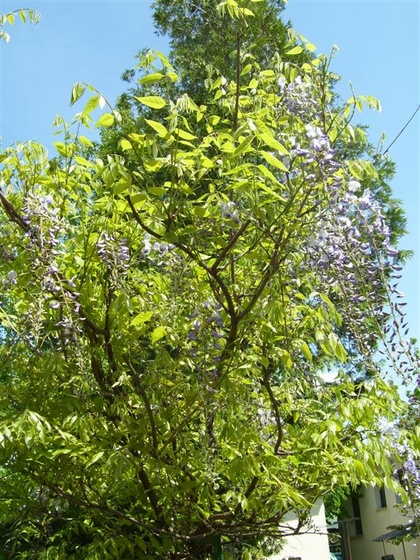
<point>164,60</point>
<point>206,162</point>
<point>152,101</point>
<point>267,173</point>
<point>123,184</point>
<point>265,361</point>
<point>34,16</point>
<point>340,352</point>
<point>91,105</point>
<point>269,158</point>
<point>158,127</point>
<point>126,144</point>
<point>158,191</point>
<point>82,161</point>
<point>107,119</point>
<point>246,70</point>
<point>63,149</point>
<point>185,135</point>
<point>286,359</point>
<point>95,458</point>
<point>269,191</point>
<point>269,139</point>
<point>201,212</point>
<point>305,350</point>
<point>172,76</point>
<point>152,164</point>
<point>141,318</point>
<point>310,47</point>
<point>77,91</point>
<point>243,146</point>
<point>158,333</point>
<point>214,119</point>
<point>294,51</point>
<point>152,78</point>
<point>85,141</point>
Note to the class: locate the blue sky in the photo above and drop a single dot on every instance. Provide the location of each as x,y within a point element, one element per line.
<point>96,41</point>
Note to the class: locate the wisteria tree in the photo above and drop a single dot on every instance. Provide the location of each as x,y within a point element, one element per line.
<point>165,324</point>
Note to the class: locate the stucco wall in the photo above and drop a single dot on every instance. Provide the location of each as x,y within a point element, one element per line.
<point>308,546</point>
<point>375,520</point>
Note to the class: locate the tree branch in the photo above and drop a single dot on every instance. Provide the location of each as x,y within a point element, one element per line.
<point>136,378</point>
<point>14,214</point>
<point>265,381</point>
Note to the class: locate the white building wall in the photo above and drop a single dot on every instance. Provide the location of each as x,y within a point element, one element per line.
<point>312,545</point>
<point>375,520</point>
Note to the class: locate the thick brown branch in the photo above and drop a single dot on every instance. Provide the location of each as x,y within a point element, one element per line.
<point>151,495</point>
<point>248,493</point>
<point>139,386</point>
<point>272,269</point>
<point>138,219</point>
<point>13,213</point>
<point>229,245</point>
<point>265,381</point>
<point>107,334</point>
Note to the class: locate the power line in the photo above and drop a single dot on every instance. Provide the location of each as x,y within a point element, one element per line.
<point>402,130</point>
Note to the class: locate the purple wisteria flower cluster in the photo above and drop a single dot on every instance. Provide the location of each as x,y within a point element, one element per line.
<point>158,253</point>
<point>45,234</point>
<point>206,330</point>
<point>10,278</point>
<point>42,216</point>
<point>230,211</point>
<point>313,157</point>
<point>113,252</point>
<point>407,466</point>
<point>208,314</point>
<point>349,251</point>
<point>411,473</point>
<point>297,97</point>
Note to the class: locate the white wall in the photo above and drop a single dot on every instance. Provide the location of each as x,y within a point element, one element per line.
<point>308,546</point>
<point>375,521</point>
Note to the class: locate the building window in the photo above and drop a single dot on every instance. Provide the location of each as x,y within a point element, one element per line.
<point>356,513</point>
<point>380,497</point>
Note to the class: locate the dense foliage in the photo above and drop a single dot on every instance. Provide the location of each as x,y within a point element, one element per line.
<point>195,30</point>
<point>167,312</point>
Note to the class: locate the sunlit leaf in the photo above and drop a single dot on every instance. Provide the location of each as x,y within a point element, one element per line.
<point>107,119</point>
<point>294,51</point>
<point>158,127</point>
<point>141,318</point>
<point>153,101</point>
<point>158,333</point>
<point>272,160</point>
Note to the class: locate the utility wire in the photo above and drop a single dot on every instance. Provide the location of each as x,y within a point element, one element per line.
<point>402,130</point>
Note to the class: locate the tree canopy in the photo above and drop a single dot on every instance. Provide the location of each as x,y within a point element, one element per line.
<point>167,312</point>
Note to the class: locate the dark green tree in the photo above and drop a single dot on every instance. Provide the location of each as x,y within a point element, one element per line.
<point>209,33</point>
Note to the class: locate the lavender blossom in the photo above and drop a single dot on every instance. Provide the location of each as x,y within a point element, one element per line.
<point>113,252</point>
